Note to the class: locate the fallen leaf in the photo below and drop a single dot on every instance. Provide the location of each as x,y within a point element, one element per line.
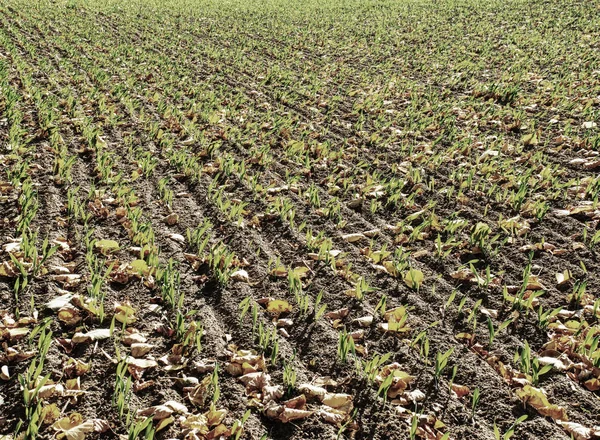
<point>279,271</point>
<point>579,431</point>
<point>240,275</point>
<point>132,336</point>
<point>339,401</point>
<point>160,412</point>
<point>536,398</point>
<point>353,238</point>
<point>338,314</point>
<point>141,363</point>
<point>460,390</point>
<point>93,335</point>
<point>69,315</point>
<point>364,321</point>
<point>124,313</point>
<point>178,238</point>
<point>60,301</point>
<point>312,390</point>
<point>589,124</point>
<point>561,365</point>
<point>562,278</point>
<point>278,306</point>
<point>74,428</point>
<point>50,413</point>
<point>171,219</point>
<point>106,247</point>
<point>140,349</point>
<point>76,367</point>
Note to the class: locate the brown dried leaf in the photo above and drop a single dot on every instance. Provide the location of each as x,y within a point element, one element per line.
<point>579,431</point>
<point>460,390</point>
<point>536,398</point>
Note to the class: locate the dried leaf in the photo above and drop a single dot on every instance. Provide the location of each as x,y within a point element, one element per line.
<point>177,238</point>
<point>140,349</point>
<point>92,335</point>
<point>414,278</point>
<point>60,301</point>
<point>106,247</point>
<point>4,373</point>
<point>141,363</point>
<point>50,413</point>
<point>69,315</point>
<point>339,401</point>
<point>579,431</point>
<point>278,306</point>
<point>353,238</point>
<point>312,390</point>
<point>171,219</point>
<point>460,390</point>
<point>564,277</point>
<point>240,275</point>
<point>333,416</point>
<point>74,428</point>
<point>124,313</point>
<point>536,398</point>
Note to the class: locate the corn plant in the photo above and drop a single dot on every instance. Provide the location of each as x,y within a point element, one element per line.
<point>530,365</point>
<point>441,360</point>
<point>345,346</point>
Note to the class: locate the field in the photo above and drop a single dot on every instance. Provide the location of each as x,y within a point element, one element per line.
<point>267,219</point>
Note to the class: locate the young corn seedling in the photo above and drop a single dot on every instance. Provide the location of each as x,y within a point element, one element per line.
<point>199,238</point>
<point>423,341</point>
<point>165,193</point>
<point>441,360</point>
<point>170,283</point>
<point>452,377</point>
<point>530,365</point>
<point>214,386</point>
<point>579,288</point>
<point>289,375</point>
<point>97,280</point>
<point>319,309</point>
<point>474,402</point>
<point>345,346</point>
<point>510,431</point>
<point>414,279</point>
<point>494,331</point>
<point>220,260</point>
<point>28,204</point>
<point>268,341</point>
<point>345,426</point>
<point>381,306</point>
<point>237,429</point>
<point>589,348</point>
<point>188,332</point>
<point>244,306</point>
<point>361,288</point>
<point>414,424</point>
<point>295,287</point>
<point>143,428</point>
<point>122,392</point>
<point>369,369</point>
<point>384,387</point>
<point>32,381</point>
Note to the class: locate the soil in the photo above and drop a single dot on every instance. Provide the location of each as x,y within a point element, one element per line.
<point>312,343</point>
